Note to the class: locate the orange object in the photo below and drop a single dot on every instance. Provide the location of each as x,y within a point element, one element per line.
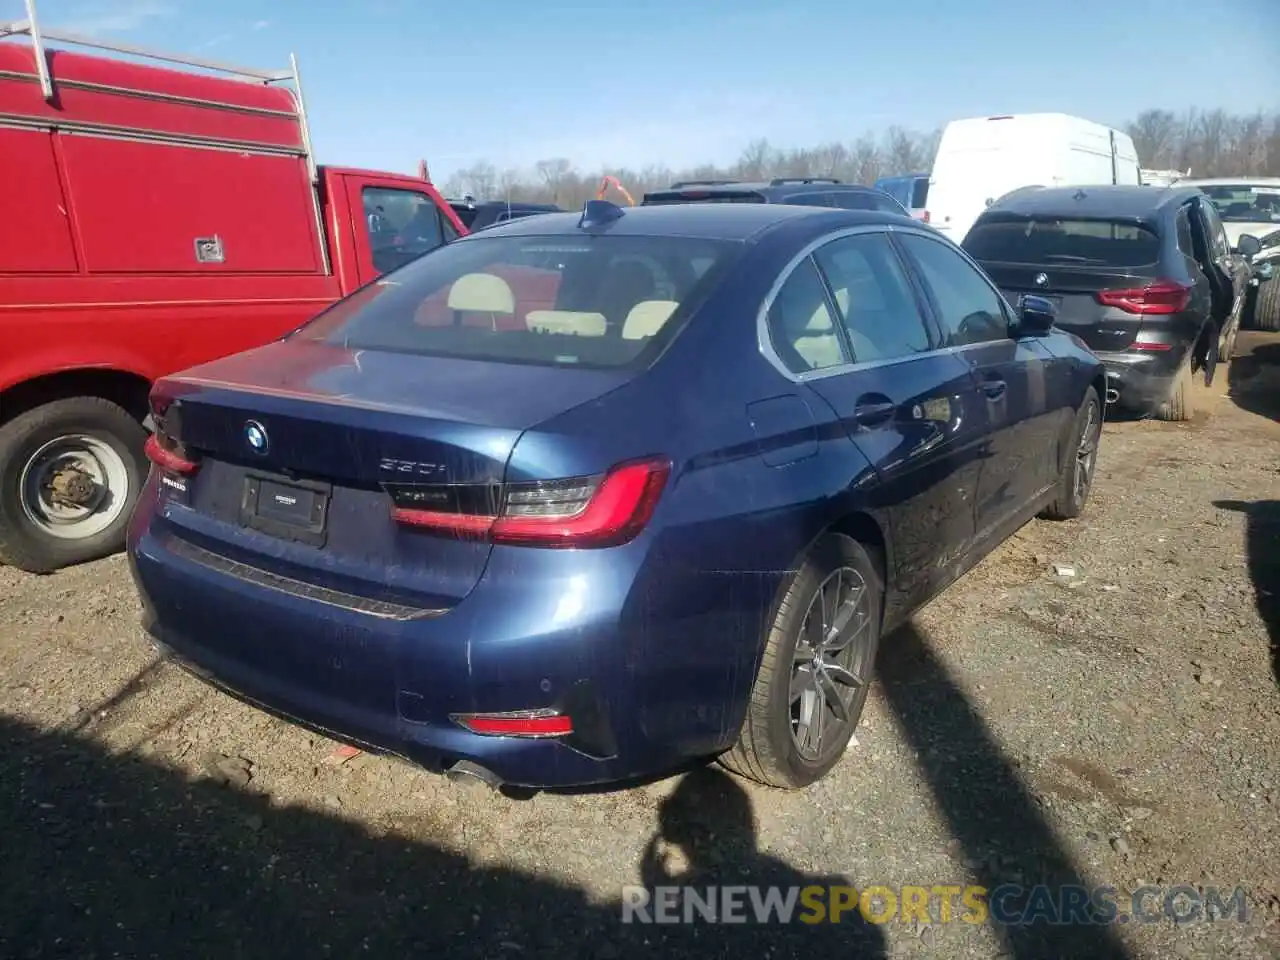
<point>608,182</point>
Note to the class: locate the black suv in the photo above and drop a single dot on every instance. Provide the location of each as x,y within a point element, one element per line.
<point>478,214</point>
<point>1143,275</point>
<point>801,191</point>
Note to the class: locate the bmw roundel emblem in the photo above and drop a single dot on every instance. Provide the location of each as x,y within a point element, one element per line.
<point>1042,279</point>
<point>255,434</point>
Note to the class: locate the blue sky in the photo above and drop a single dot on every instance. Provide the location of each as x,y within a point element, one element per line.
<point>390,81</point>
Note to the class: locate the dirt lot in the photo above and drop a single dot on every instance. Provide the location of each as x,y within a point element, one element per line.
<point>1117,726</point>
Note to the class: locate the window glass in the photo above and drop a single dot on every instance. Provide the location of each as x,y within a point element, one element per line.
<point>402,225</point>
<point>1246,202</point>
<point>1046,240</point>
<point>1217,233</point>
<point>801,327</point>
<point>566,300</point>
<point>920,193</point>
<point>1185,242</point>
<point>810,199</point>
<point>970,310</point>
<point>874,298</point>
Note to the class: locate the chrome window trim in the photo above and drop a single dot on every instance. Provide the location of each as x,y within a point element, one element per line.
<point>764,341</point>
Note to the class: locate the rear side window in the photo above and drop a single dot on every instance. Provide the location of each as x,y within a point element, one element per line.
<point>1051,240</point>
<point>920,194</point>
<point>801,325</point>
<point>1185,242</point>
<point>598,301</point>
<point>874,298</point>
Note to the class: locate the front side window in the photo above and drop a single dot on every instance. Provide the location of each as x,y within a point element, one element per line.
<point>570,300</point>
<point>801,325</point>
<point>969,308</point>
<point>874,298</point>
<point>401,224</point>
<point>920,193</point>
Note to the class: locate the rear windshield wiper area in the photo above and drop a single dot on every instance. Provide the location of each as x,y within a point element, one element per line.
<point>1072,258</point>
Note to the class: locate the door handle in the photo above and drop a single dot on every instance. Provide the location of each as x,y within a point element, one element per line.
<point>994,389</point>
<point>871,412</point>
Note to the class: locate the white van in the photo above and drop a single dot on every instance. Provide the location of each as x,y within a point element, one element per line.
<point>981,159</point>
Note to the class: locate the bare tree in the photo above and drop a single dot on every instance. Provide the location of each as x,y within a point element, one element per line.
<point>1211,142</point>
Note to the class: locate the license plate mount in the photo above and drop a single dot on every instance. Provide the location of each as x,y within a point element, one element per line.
<point>286,507</point>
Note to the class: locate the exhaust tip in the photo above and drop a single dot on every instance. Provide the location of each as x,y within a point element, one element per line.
<point>1113,395</point>
<point>466,773</point>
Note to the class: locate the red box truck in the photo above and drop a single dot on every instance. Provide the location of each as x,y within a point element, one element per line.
<point>155,217</point>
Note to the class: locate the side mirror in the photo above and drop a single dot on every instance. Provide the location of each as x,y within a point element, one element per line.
<point>1248,246</point>
<point>1036,316</point>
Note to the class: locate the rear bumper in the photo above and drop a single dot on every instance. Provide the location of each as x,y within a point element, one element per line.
<point>1139,380</point>
<point>394,685</point>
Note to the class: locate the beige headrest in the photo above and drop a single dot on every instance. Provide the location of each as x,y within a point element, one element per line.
<point>820,322</point>
<point>481,293</point>
<point>646,318</point>
<point>567,321</point>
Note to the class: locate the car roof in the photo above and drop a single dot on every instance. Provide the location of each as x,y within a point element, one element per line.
<point>711,221</point>
<point>1104,202</point>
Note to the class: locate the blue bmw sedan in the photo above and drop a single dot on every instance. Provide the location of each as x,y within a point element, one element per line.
<point>585,496</point>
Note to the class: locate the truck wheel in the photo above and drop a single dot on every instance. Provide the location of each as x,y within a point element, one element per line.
<point>1266,305</point>
<point>70,473</point>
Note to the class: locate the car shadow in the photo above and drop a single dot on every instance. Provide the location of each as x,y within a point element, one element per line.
<point>987,807</point>
<point>1262,553</point>
<point>114,855</point>
<point>1254,375</point>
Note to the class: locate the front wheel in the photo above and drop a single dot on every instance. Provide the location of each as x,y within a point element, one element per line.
<point>816,669</point>
<point>70,473</point>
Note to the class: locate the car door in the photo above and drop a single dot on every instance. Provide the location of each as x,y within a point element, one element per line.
<point>1234,270</point>
<point>1021,381</point>
<point>911,409</point>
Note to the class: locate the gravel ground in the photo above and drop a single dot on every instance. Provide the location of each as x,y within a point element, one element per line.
<point>1119,725</point>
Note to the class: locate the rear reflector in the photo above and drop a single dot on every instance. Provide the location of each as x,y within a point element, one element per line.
<point>597,511</point>
<point>528,724</point>
<point>166,458</point>
<point>1160,298</point>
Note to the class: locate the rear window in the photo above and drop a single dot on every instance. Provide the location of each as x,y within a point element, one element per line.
<point>919,194</point>
<point>1048,240</point>
<point>702,196</point>
<point>593,301</point>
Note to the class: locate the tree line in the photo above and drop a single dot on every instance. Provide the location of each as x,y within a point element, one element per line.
<point>1208,142</point>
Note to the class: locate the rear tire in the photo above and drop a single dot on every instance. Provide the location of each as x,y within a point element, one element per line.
<point>1266,305</point>
<point>1077,473</point>
<point>70,474</point>
<point>816,669</point>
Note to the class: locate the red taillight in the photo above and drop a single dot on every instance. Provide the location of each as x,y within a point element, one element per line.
<point>1154,347</point>
<point>528,724</point>
<point>166,458</point>
<point>924,216</point>
<point>1161,297</point>
<point>577,512</point>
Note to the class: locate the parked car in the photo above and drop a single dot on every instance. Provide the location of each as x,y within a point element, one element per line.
<point>155,218</point>
<point>1143,275</point>
<point>1249,206</point>
<point>1263,306</point>
<point>480,214</point>
<point>912,191</point>
<point>982,159</point>
<point>807,191</point>
<point>663,520</point>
